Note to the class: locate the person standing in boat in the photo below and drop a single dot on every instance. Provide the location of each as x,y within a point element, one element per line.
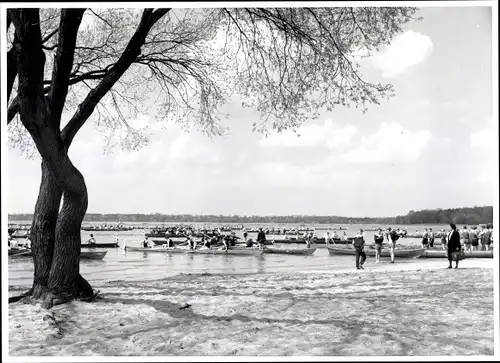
<point>453,243</point>
<point>379,239</point>
<point>261,238</point>
<point>359,244</point>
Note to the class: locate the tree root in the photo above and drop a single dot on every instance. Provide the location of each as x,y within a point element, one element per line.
<point>14,299</point>
<point>51,297</point>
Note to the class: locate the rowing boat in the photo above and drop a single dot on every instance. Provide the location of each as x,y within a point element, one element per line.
<point>86,255</point>
<point>290,251</point>
<point>400,253</point>
<point>468,254</point>
<point>318,241</point>
<point>202,251</point>
<point>19,235</point>
<point>100,245</point>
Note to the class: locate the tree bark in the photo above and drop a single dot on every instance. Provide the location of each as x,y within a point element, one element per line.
<point>43,229</point>
<point>66,260</point>
<point>11,71</point>
<point>56,234</point>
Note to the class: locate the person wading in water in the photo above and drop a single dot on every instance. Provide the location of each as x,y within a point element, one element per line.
<point>261,238</point>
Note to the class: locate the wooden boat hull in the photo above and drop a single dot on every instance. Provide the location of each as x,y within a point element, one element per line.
<point>317,241</point>
<point>100,245</point>
<point>85,255</point>
<point>17,235</point>
<point>398,253</point>
<point>468,254</point>
<point>232,251</point>
<point>292,251</point>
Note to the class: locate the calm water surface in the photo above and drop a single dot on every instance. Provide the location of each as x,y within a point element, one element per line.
<point>122,265</point>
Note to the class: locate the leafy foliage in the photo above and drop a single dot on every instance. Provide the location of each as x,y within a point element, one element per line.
<point>288,63</point>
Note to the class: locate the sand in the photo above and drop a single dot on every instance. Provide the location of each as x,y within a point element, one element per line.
<point>423,310</point>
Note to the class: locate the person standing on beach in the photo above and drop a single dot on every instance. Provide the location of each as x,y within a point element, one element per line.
<point>474,241</point>
<point>327,238</point>
<point>464,236</point>
<point>443,239</point>
<point>392,237</point>
<point>486,238</point>
<point>245,234</point>
<point>425,239</point>
<point>379,239</point>
<point>431,238</point>
<point>359,245</point>
<point>453,243</point>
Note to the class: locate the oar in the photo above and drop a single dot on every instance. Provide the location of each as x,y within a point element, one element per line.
<point>21,253</point>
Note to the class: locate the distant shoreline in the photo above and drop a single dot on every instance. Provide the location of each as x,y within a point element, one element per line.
<point>466,215</point>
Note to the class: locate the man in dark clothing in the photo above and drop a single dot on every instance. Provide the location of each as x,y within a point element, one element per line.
<point>359,244</point>
<point>392,237</point>
<point>261,238</point>
<point>453,243</point>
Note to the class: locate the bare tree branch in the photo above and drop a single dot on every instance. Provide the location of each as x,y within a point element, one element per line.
<point>50,35</point>
<point>63,63</point>
<point>30,65</point>
<point>130,54</point>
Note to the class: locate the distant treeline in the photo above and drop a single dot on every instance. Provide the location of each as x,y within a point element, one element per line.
<point>474,215</point>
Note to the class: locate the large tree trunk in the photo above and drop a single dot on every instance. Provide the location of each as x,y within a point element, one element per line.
<point>56,276</point>
<point>43,229</point>
<point>64,279</point>
<point>66,261</point>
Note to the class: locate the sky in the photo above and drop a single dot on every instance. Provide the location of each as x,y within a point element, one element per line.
<point>431,146</point>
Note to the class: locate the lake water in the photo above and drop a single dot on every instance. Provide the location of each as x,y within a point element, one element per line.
<point>122,265</point>
<point>128,265</point>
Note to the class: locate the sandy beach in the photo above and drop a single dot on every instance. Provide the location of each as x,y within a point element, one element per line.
<point>413,310</point>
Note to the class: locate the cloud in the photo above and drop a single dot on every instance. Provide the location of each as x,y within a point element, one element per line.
<point>483,139</point>
<point>392,142</point>
<point>406,50</point>
<point>329,135</point>
<point>188,147</point>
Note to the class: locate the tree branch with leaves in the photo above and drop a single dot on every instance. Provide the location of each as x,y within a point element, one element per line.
<point>182,65</point>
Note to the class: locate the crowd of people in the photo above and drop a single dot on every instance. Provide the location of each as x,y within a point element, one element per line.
<point>453,241</point>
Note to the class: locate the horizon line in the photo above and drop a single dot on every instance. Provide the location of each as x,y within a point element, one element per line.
<point>266,216</point>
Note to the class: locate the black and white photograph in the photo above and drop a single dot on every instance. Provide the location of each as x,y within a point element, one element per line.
<point>215,181</point>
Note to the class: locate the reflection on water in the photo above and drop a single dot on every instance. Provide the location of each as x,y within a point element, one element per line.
<point>119,264</point>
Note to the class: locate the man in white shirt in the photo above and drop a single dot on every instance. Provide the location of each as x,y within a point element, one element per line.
<point>327,237</point>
